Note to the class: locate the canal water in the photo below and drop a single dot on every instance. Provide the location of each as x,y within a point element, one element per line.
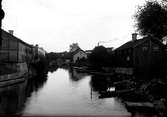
<point>63,92</point>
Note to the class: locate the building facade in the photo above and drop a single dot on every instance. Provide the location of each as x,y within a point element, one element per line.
<point>143,54</point>
<point>80,54</point>
<point>76,53</point>
<point>14,50</point>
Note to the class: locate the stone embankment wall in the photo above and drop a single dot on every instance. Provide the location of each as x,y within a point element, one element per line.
<point>20,74</point>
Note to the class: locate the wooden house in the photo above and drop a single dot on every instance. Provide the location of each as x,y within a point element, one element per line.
<point>143,54</point>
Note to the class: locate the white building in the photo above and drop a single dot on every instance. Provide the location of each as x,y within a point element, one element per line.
<point>78,55</point>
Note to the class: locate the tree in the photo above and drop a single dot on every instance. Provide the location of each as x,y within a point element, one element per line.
<point>1,17</point>
<point>152,19</point>
<point>99,56</point>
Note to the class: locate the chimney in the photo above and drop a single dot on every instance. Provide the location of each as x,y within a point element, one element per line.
<point>11,32</point>
<point>134,36</point>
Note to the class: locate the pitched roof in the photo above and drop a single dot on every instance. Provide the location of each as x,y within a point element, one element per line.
<point>71,54</point>
<point>133,44</point>
<point>10,36</point>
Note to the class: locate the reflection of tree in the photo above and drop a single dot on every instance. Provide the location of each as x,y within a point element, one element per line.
<point>100,83</point>
<point>74,75</point>
<point>53,69</point>
<point>12,98</point>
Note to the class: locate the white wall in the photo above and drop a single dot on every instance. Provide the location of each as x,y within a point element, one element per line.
<point>79,55</point>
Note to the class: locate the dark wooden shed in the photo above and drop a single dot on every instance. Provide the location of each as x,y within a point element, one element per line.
<point>143,54</point>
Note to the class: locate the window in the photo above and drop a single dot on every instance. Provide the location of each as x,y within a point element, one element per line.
<point>128,58</point>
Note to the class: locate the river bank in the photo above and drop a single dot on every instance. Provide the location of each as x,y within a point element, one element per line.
<point>142,93</point>
<point>11,73</point>
<point>138,91</point>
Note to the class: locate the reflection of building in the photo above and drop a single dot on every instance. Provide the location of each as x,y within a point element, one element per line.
<point>12,99</point>
<point>76,76</point>
<point>100,83</point>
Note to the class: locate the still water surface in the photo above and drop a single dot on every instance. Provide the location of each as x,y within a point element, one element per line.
<point>62,92</point>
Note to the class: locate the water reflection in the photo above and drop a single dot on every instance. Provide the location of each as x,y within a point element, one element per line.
<point>100,83</point>
<point>64,92</point>
<point>75,75</point>
<point>101,86</point>
<point>13,97</point>
<point>52,69</point>
<point>36,83</point>
<point>68,93</point>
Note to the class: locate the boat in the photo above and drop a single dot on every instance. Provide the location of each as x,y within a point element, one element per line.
<point>108,94</point>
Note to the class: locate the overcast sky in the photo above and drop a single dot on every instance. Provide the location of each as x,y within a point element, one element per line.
<point>55,24</point>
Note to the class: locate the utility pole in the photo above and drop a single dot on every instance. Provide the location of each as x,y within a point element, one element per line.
<point>100,42</point>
